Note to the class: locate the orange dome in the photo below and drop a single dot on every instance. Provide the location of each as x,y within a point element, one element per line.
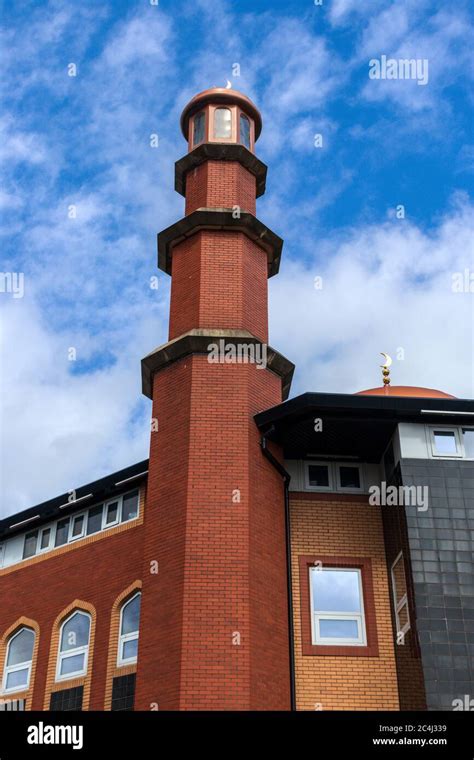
<point>221,95</point>
<point>404,390</point>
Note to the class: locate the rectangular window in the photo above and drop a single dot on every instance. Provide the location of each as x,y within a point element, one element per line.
<point>78,526</point>
<point>349,477</point>
<point>400,597</point>
<point>445,442</point>
<point>67,699</point>
<point>318,476</point>
<point>222,123</point>
<point>244,131</point>
<point>198,133</point>
<point>94,519</point>
<point>468,441</point>
<point>130,506</point>
<point>45,538</point>
<point>337,606</point>
<point>123,693</point>
<point>111,515</point>
<point>29,547</point>
<point>62,532</point>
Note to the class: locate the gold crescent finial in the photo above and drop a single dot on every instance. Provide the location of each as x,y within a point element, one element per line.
<point>386,368</point>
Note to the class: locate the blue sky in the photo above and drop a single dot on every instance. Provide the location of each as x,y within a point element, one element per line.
<point>84,141</point>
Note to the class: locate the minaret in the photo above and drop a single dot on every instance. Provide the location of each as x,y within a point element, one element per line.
<point>214,620</point>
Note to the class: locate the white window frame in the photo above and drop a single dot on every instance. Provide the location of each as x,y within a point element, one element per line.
<point>20,666</point>
<point>94,506</point>
<point>56,532</point>
<point>399,604</point>
<point>432,429</point>
<point>123,638</point>
<point>51,534</point>
<point>461,433</point>
<point>119,500</point>
<point>132,490</point>
<point>344,489</point>
<point>72,538</point>
<point>312,463</point>
<point>30,556</point>
<point>359,617</point>
<point>84,649</point>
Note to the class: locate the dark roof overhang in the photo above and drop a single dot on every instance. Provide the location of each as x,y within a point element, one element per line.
<point>219,219</point>
<point>358,427</point>
<point>85,496</point>
<point>220,152</point>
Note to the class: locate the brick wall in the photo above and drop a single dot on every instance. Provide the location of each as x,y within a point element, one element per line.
<point>95,570</point>
<point>214,625</point>
<point>219,280</point>
<point>350,527</point>
<point>220,184</point>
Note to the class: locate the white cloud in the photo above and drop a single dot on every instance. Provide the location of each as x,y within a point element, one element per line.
<point>385,287</point>
<point>65,429</point>
<point>140,37</point>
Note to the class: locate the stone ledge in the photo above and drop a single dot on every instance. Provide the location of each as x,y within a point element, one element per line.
<point>219,219</point>
<point>219,152</point>
<point>197,341</point>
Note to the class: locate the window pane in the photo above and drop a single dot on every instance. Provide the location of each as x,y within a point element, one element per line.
<point>17,679</point>
<point>131,615</point>
<point>244,131</point>
<point>29,548</point>
<point>338,629</point>
<point>336,590</point>
<point>130,506</point>
<point>130,649</point>
<point>94,520</point>
<point>112,510</point>
<point>198,128</point>
<point>318,475</point>
<point>222,122</point>
<point>468,439</point>
<point>62,531</point>
<point>445,442</point>
<point>72,664</point>
<point>45,538</point>
<point>77,526</point>
<point>403,617</point>
<point>399,580</point>
<point>349,477</point>
<point>21,647</point>
<point>75,632</point>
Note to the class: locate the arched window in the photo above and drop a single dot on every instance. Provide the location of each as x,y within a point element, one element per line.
<point>198,128</point>
<point>18,661</point>
<point>244,131</point>
<point>128,637</point>
<point>222,122</point>
<point>74,646</point>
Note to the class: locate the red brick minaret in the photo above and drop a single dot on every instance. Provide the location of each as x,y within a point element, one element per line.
<point>214,621</point>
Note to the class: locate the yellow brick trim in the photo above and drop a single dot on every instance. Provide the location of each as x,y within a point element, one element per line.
<point>26,694</point>
<point>113,669</point>
<point>82,542</point>
<point>85,681</point>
